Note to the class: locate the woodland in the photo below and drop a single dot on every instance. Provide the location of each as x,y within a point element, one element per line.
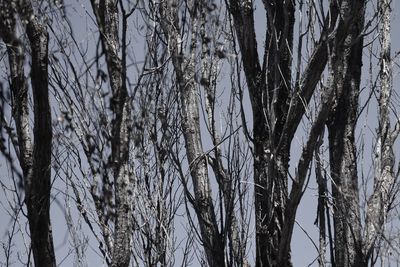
<point>199,133</point>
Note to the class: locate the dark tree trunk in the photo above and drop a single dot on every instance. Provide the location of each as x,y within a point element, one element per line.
<point>278,108</point>
<point>346,64</point>
<point>269,88</point>
<point>35,160</point>
<point>38,184</point>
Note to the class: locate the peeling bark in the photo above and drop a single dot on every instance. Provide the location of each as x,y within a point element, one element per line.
<point>18,84</point>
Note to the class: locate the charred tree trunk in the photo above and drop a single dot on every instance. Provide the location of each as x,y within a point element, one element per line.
<point>38,184</point>
<point>269,87</point>
<point>278,108</point>
<point>345,65</point>
<point>271,145</point>
<point>35,160</point>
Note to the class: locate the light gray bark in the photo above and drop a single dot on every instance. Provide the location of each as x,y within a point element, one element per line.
<point>209,75</point>
<point>19,87</point>
<point>107,18</point>
<point>279,104</point>
<point>184,66</point>
<point>322,207</point>
<point>379,203</point>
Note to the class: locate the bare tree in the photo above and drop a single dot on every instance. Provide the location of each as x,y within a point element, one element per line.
<point>384,190</point>
<point>34,155</point>
<point>278,106</point>
<point>107,18</point>
<point>354,244</point>
<point>345,73</point>
<point>152,141</point>
<point>196,61</point>
<point>126,126</point>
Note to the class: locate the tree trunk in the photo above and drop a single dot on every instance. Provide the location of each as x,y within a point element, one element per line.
<point>345,69</point>
<point>277,111</point>
<point>269,94</point>
<point>38,183</point>
<point>379,203</point>
<point>107,17</point>
<point>35,160</point>
<point>184,66</point>
<point>271,161</point>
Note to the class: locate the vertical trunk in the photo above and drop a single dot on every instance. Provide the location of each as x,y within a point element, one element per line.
<point>184,66</point>
<point>269,88</point>
<point>379,203</point>
<point>277,111</point>
<point>38,184</point>
<point>271,112</point>
<point>107,17</point>
<point>346,63</point>
<point>18,84</point>
<point>37,168</point>
<point>322,203</point>
<point>198,168</point>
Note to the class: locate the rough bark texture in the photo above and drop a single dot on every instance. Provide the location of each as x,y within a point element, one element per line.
<point>106,12</point>
<point>18,84</point>
<point>322,202</point>
<point>196,48</point>
<point>271,144</point>
<point>269,87</point>
<point>184,66</point>
<point>277,111</point>
<point>35,160</point>
<point>346,63</point>
<point>379,202</point>
<point>276,116</point>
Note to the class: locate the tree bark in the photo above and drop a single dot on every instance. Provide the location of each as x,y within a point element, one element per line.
<point>184,66</point>
<point>269,88</point>
<point>345,73</point>
<point>277,111</point>
<point>35,160</point>
<point>107,17</point>
<point>38,184</point>
<point>379,203</point>
<point>18,84</point>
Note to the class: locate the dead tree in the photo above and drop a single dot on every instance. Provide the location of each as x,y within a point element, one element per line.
<point>34,155</point>
<point>278,105</point>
